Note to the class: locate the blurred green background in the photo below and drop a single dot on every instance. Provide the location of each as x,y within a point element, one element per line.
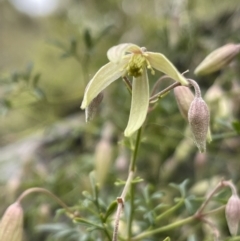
<point>49,50</point>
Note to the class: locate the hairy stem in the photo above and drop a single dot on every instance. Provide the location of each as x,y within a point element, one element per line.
<point>45,191</point>
<point>128,185</point>
<point>196,88</point>
<point>161,93</point>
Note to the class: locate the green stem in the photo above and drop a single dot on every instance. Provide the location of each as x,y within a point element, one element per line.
<point>165,228</point>
<point>134,156</point>
<point>128,185</point>
<point>131,212</point>
<point>163,92</point>
<point>170,210</point>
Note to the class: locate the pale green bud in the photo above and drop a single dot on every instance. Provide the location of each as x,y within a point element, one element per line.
<point>199,117</point>
<point>104,154</point>
<point>11,226</point>
<point>217,59</point>
<point>184,98</point>
<point>232,213</point>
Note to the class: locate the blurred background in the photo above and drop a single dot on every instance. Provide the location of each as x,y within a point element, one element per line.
<point>50,49</point>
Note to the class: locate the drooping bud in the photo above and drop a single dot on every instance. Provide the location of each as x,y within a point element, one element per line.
<point>92,108</point>
<point>184,98</point>
<point>11,226</point>
<point>199,118</point>
<point>218,59</point>
<point>232,212</point>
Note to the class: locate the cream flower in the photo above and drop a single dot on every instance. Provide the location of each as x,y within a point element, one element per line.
<point>129,59</point>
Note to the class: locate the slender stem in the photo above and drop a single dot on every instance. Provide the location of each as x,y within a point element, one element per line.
<point>131,212</point>
<point>170,210</point>
<point>159,94</point>
<point>128,185</point>
<point>45,191</point>
<point>121,205</point>
<point>116,225</point>
<point>128,83</point>
<point>216,189</point>
<point>164,228</point>
<point>156,85</point>
<point>200,210</point>
<point>134,156</point>
<point>196,87</point>
<point>213,211</point>
<point>213,227</point>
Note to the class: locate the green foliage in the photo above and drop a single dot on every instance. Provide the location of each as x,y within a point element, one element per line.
<point>46,64</point>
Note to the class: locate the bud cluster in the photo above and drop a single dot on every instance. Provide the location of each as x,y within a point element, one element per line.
<point>196,111</point>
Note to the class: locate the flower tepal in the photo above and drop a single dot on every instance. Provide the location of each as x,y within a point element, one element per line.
<point>130,59</point>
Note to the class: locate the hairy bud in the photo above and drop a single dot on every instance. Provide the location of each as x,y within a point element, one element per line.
<point>199,117</point>
<point>91,110</point>
<point>218,59</point>
<point>184,98</point>
<point>232,213</point>
<point>11,226</point>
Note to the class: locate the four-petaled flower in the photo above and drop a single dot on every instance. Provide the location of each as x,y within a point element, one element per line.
<point>130,59</point>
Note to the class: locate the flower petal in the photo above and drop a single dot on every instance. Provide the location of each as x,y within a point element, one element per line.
<point>139,105</point>
<point>116,53</point>
<point>104,77</point>
<point>160,62</point>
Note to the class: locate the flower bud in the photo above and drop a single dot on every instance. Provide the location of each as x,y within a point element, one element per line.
<point>103,154</point>
<point>184,98</point>
<point>92,108</point>
<point>218,59</point>
<point>232,212</point>
<point>11,226</point>
<point>199,117</point>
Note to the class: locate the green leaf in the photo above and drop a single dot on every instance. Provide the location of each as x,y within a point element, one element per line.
<point>111,208</point>
<point>236,126</point>
<point>182,187</point>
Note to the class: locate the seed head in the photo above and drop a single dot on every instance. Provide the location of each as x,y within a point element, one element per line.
<point>11,226</point>
<point>232,213</point>
<point>199,117</point>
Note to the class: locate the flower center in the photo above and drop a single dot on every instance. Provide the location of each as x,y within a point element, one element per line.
<point>135,65</point>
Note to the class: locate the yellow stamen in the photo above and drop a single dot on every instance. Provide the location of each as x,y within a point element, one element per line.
<point>135,65</point>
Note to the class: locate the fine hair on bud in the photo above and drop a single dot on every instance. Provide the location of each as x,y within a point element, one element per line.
<point>11,226</point>
<point>232,212</point>
<point>199,118</point>
<point>92,108</point>
<point>218,59</point>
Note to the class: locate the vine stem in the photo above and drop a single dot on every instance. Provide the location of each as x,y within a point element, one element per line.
<point>128,185</point>
<point>164,228</point>
<point>216,189</point>
<point>159,94</point>
<point>196,87</point>
<point>48,193</point>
